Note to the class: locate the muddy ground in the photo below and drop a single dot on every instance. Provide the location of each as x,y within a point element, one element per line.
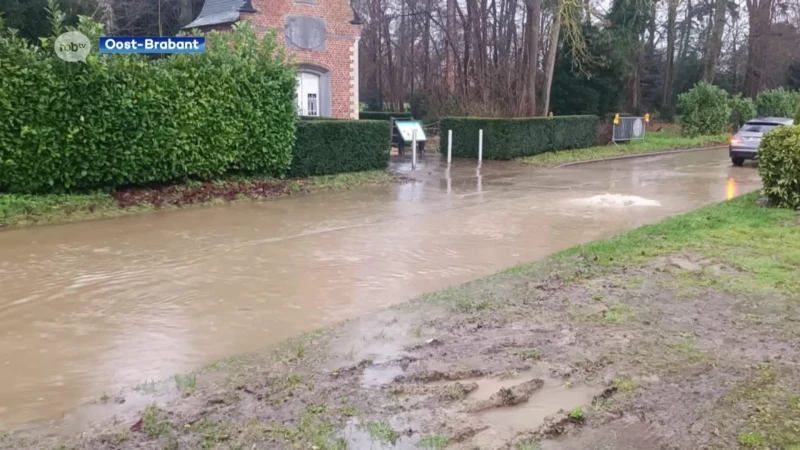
<point>563,354</point>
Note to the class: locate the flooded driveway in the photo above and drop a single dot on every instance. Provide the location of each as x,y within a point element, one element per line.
<point>88,308</point>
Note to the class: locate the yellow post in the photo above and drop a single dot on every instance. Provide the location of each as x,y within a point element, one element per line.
<point>616,119</point>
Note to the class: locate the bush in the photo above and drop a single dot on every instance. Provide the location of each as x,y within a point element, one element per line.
<point>743,109</point>
<point>797,114</point>
<point>704,110</point>
<point>776,103</point>
<point>779,166</point>
<point>127,120</point>
<point>383,115</point>
<point>333,146</point>
<point>512,138</point>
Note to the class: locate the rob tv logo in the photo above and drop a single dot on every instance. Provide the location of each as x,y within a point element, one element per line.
<point>73,46</point>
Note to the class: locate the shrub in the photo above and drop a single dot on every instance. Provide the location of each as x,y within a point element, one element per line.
<point>779,166</point>
<point>743,109</point>
<point>383,115</point>
<point>797,114</point>
<point>704,110</point>
<point>776,103</point>
<point>333,146</point>
<point>125,119</point>
<point>512,138</point>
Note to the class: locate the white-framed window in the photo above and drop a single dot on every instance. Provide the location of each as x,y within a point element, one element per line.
<point>308,94</point>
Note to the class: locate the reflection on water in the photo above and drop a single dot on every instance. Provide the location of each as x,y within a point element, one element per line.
<point>88,308</point>
<point>731,190</point>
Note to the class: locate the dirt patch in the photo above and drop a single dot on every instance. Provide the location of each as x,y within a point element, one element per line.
<point>569,356</point>
<point>230,189</point>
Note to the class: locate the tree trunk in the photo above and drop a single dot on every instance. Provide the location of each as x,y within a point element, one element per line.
<point>186,12</point>
<point>760,14</point>
<point>715,42</point>
<point>534,19</point>
<point>427,44</point>
<point>686,32</point>
<point>551,59</point>
<point>633,88</point>
<point>107,11</point>
<point>651,32</point>
<point>450,74</point>
<point>390,69</point>
<point>672,12</point>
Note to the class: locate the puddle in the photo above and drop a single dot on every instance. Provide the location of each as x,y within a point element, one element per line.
<point>623,434</point>
<point>505,422</point>
<point>380,375</point>
<point>614,201</point>
<point>357,436</point>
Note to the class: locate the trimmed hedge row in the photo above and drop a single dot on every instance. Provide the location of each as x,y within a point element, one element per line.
<point>383,115</point>
<point>326,147</point>
<point>512,138</point>
<point>125,120</point>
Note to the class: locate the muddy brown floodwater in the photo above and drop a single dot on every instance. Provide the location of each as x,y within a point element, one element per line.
<point>88,308</point>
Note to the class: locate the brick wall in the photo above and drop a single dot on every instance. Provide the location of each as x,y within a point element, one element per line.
<point>340,47</point>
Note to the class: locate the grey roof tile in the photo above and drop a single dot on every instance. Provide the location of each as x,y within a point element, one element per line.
<point>217,12</point>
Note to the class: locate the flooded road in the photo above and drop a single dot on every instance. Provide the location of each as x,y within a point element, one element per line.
<point>87,308</point>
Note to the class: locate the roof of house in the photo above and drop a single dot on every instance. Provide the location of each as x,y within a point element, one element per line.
<point>218,12</point>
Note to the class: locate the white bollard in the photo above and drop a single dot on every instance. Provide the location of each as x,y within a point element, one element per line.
<point>449,147</point>
<point>480,147</point>
<point>414,150</point>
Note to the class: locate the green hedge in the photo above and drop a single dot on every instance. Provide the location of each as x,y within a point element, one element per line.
<point>127,120</point>
<point>333,146</point>
<point>777,103</point>
<point>743,109</point>
<point>779,166</point>
<point>512,138</point>
<point>383,115</point>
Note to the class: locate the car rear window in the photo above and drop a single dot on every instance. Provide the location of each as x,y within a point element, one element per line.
<point>758,127</point>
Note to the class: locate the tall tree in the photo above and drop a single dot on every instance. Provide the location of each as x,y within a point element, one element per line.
<point>629,21</point>
<point>760,14</point>
<point>555,30</point>
<point>715,42</point>
<point>534,18</point>
<point>568,16</point>
<point>672,13</point>
<point>450,76</point>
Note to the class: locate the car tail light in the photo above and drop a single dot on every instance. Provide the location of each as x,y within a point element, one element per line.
<point>735,140</point>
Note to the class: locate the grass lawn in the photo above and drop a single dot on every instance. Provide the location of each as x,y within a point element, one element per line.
<point>653,142</point>
<point>28,209</point>
<point>690,323</point>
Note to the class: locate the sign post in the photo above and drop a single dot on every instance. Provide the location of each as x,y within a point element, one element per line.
<point>404,135</point>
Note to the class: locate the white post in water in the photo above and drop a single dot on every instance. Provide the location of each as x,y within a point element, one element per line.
<point>414,150</point>
<point>449,147</point>
<point>480,147</point>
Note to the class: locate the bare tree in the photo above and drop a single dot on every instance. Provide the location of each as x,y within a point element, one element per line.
<point>555,30</point>
<point>669,69</point>
<point>715,42</point>
<point>760,15</point>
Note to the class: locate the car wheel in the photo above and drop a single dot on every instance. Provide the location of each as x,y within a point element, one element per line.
<point>738,162</point>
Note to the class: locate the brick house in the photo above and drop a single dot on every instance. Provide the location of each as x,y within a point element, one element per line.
<point>322,36</point>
